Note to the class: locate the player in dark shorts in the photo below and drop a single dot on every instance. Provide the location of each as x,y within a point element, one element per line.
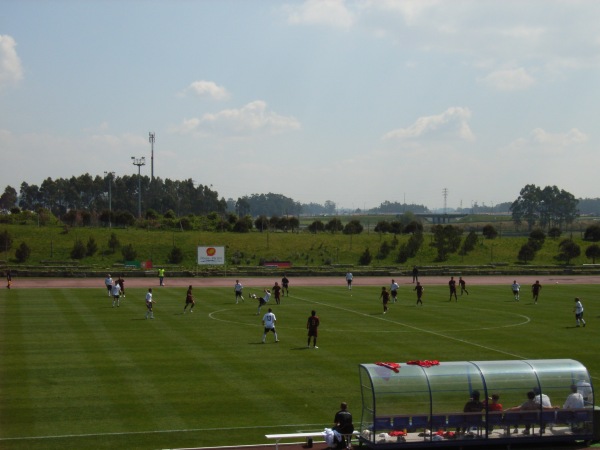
<point>385,298</point>
<point>312,324</point>
<point>452,286</point>
<point>419,288</point>
<point>535,289</point>
<point>189,300</point>
<point>277,292</point>
<point>285,284</point>
<point>463,285</point>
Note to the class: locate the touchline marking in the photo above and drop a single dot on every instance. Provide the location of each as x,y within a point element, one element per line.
<point>126,433</point>
<point>417,328</point>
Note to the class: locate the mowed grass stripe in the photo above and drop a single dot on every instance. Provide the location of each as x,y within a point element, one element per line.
<point>131,380</point>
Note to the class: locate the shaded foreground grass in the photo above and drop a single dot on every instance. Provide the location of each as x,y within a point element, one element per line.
<point>77,373</point>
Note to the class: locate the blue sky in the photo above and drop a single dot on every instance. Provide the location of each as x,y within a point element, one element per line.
<point>357,102</point>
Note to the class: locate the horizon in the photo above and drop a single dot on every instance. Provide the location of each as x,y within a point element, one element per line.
<point>354,101</point>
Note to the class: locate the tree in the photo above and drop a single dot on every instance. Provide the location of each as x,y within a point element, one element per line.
<point>353,227</point>
<point>22,252</point>
<point>383,226</point>
<point>316,226</point>
<point>568,251</point>
<point>446,240</point>
<point>469,243</point>
<point>527,252</point>
<point>366,258</point>
<point>78,250</point>
<point>9,198</point>
<point>334,225</point>
<point>489,232</point>
<point>6,241</point>
<point>176,255</point>
<point>537,239</point>
<point>593,252</point>
<point>546,207</point>
<point>91,247</point>
<point>592,233</point>
<point>129,253</point>
<point>113,242</point>
<point>554,232</point>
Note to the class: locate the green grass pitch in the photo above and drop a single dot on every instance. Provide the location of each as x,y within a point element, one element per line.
<point>77,373</point>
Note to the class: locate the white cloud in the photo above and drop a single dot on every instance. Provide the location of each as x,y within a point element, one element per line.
<point>320,12</point>
<point>509,79</point>
<point>11,70</point>
<point>210,89</point>
<point>544,142</point>
<point>453,122</point>
<point>251,119</point>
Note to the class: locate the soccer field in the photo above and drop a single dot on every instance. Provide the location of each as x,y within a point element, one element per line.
<point>77,373</point>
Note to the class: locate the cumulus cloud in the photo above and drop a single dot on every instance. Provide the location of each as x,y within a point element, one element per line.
<point>453,122</point>
<point>11,70</point>
<point>209,89</point>
<point>509,80</point>
<point>251,119</point>
<point>539,136</point>
<point>320,12</point>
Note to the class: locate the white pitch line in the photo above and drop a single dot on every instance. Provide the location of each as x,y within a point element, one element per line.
<point>419,329</point>
<point>127,433</point>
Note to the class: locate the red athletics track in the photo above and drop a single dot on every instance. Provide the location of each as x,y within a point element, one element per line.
<point>261,282</point>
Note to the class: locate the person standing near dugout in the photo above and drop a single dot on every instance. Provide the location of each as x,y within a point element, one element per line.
<point>312,324</point>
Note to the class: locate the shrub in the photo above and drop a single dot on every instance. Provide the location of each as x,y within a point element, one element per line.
<point>113,242</point>
<point>6,241</point>
<point>91,247</point>
<point>353,227</point>
<point>23,252</point>
<point>593,252</point>
<point>554,232</point>
<point>527,252</point>
<point>176,255</point>
<point>128,252</point>
<point>384,250</point>
<point>592,233</point>
<point>489,232</point>
<point>78,250</point>
<point>568,251</point>
<point>469,243</point>
<point>366,258</point>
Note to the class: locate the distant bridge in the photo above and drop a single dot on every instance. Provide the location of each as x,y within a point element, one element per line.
<point>441,217</point>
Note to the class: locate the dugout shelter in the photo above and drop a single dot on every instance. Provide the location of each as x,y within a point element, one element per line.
<point>421,403</point>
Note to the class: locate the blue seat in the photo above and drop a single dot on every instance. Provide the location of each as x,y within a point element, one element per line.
<point>419,422</point>
<point>401,423</point>
<point>382,423</point>
<point>438,421</point>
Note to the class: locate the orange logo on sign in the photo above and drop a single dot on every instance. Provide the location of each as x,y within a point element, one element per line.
<point>211,251</point>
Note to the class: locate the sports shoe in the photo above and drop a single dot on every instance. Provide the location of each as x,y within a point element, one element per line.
<point>315,346</point>
<point>277,340</point>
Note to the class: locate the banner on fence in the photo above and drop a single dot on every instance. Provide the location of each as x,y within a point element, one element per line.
<point>211,255</point>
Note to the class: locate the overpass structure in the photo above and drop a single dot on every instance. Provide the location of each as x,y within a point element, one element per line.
<point>440,218</point>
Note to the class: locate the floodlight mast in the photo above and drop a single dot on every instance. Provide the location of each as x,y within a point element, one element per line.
<point>151,139</point>
<point>139,162</point>
<point>110,176</point>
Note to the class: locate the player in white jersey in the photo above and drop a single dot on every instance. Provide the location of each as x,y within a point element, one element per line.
<point>268,321</point>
